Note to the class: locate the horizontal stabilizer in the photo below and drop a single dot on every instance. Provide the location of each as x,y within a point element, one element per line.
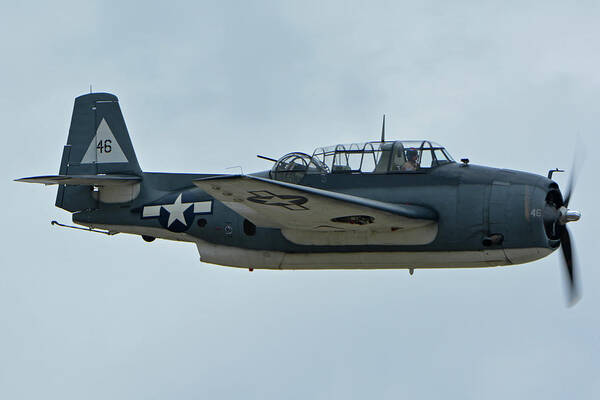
<point>83,180</point>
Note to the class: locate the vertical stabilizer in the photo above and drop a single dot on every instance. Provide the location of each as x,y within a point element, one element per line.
<point>98,143</point>
<point>98,137</point>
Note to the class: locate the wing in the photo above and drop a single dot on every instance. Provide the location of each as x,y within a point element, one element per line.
<point>315,216</point>
<point>95,180</point>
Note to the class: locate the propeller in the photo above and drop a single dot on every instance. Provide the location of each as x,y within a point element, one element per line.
<point>565,216</point>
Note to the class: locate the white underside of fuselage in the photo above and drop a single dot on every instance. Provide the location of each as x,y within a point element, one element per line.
<point>267,259</point>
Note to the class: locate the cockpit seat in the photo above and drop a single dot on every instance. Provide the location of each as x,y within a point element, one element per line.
<point>384,160</point>
<point>398,158</point>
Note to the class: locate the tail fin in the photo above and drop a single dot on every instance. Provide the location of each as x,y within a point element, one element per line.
<point>98,140</point>
<point>98,143</point>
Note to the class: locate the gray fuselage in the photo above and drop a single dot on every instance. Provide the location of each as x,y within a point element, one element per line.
<point>473,203</point>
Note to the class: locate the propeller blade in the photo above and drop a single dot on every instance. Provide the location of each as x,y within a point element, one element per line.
<point>571,186</point>
<point>569,192</point>
<point>567,250</point>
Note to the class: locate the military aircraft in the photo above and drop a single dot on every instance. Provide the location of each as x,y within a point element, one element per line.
<point>381,204</point>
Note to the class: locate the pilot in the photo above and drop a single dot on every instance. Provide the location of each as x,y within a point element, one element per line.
<point>412,160</point>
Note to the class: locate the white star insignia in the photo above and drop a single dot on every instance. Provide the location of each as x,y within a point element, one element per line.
<point>176,210</point>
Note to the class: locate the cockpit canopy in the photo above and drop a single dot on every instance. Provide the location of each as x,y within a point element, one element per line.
<point>370,157</point>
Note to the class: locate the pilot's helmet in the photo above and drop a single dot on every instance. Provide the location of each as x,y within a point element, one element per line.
<point>412,154</point>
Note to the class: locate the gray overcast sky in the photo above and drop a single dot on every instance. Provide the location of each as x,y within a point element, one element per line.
<point>207,85</point>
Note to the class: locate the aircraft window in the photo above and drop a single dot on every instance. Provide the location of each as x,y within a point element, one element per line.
<point>370,156</point>
<point>347,158</point>
<point>340,160</point>
<point>325,156</point>
<point>442,157</point>
<point>426,159</point>
<point>354,156</point>
<point>292,167</point>
<point>381,157</point>
<point>317,167</point>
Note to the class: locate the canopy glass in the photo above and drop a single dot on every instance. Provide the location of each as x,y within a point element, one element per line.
<point>369,157</point>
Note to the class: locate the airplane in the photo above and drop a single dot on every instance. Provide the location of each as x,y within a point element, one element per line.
<point>380,204</point>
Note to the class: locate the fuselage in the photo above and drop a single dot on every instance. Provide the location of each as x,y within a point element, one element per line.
<point>487,217</point>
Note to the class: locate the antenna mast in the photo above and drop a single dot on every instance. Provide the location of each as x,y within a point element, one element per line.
<point>383,130</point>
